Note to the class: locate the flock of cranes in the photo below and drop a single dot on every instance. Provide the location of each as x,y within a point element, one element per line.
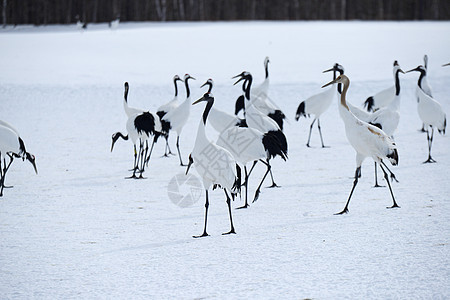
<point>256,135</point>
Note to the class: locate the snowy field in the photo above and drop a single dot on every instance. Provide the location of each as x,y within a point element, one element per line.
<point>79,230</point>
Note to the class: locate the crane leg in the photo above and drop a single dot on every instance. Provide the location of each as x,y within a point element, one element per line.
<point>246,188</point>
<point>376,176</point>
<point>144,152</point>
<point>386,177</point>
<point>5,170</point>
<point>167,144</point>
<point>258,190</point>
<point>150,153</point>
<point>355,182</point>
<point>229,211</point>
<point>390,172</point>
<point>320,133</point>
<point>423,128</point>
<point>179,153</point>
<point>430,142</point>
<point>135,164</point>
<point>273,182</point>
<point>251,169</point>
<point>206,217</point>
<point>310,129</point>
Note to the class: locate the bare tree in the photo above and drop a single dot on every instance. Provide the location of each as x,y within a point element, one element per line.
<point>5,3</point>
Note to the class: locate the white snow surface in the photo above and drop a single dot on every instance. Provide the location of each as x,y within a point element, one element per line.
<point>79,230</point>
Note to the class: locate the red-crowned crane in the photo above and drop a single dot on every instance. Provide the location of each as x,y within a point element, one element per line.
<point>177,118</point>
<point>385,97</point>
<point>215,165</point>
<point>260,99</point>
<point>11,146</point>
<point>366,139</point>
<point>317,104</point>
<point>163,110</point>
<point>430,112</point>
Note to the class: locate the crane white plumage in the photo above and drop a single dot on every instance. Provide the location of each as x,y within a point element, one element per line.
<point>261,122</point>
<point>317,104</point>
<point>163,110</point>
<point>177,117</point>
<point>385,97</point>
<point>431,113</point>
<point>366,139</point>
<point>261,100</point>
<point>215,165</point>
<point>11,146</point>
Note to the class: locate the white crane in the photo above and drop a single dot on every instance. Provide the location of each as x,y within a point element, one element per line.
<point>214,164</point>
<point>317,104</point>
<point>423,84</point>
<point>385,118</point>
<point>260,99</point>
<point>11,146</point>
<point>431,114</point>
<point>163,110</point>
<point>366,139</point>
<point>261,122</point>
<point>141,125</point>
<point>385,97</point>
<point>177,118</point>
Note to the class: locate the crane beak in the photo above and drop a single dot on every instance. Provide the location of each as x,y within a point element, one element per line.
<point>199,100</point>
<point>329,83</point>
<point>32,160</point>
<point>415,69</point>
<point>191,161</point>
<point>240,79</point>
<point>329,70</point>
<point>190,77</point>
<point>204,84</point>
<point>446,65</point>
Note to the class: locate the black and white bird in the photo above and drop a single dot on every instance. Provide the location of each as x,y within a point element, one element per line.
<point>11,146</point>
<point>430,112</point>
<point>386,118</point>
<point>140,127</point>
<point>317,104</point>
<point>257,120</point>
<point>177,117</point>
<point>385,97</point>
<point>214,164</point>
<point>366,139</point>
<point>426,88</point>
<point>261,100</point>
<point>163,110</point>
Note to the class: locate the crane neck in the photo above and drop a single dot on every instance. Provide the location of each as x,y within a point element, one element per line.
<point>176,87</point>
<point>421,77</point>
<point>397,83</point>
<point>188,91</point>
<point>207,110</point>
<point>266,67</point>
<point>344,94</point>
<point>210,86</point>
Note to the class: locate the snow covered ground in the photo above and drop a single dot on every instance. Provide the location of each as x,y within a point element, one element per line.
<point>80,230</point>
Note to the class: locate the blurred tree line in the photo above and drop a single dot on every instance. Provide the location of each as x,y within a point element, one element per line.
<point>40,12</point>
